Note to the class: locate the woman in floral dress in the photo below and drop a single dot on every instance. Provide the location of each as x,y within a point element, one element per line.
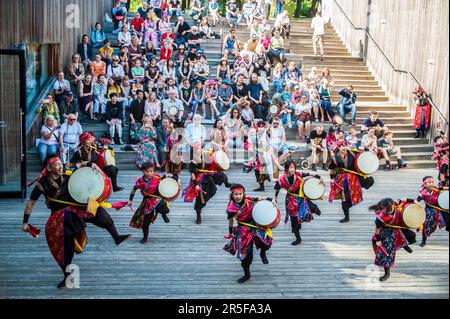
<point>147,151</point>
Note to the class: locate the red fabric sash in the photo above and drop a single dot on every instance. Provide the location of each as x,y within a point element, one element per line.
<point>430,198</point>
<point>149,188</point>
<point>354,186</point>
<point>244,213</point>
<point>190,193</point>
<point>418,116</point>
<point>284,182</point>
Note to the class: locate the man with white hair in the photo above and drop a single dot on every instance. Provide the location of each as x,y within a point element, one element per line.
<point>170,105</point>
<point>195,134</point>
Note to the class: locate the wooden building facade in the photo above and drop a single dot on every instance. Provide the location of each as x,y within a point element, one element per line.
<point>414,36</point>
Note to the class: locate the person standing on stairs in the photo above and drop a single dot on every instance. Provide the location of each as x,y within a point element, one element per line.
<point>318,27</point>
<point>298,207</point>
<point>247,233</point>
<point>388,237</point>
<point>423,113</point>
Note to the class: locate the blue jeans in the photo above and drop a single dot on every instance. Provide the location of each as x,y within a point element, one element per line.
<point>347,108</point>
<point>278,85</point>
<point>326,105</point>
<point>235,19</point>
<point>45,149</point>
<point>278,9</point>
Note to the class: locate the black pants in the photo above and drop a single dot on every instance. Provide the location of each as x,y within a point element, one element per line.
<point>111,172</point>
<point>69,252</point>
<point>210,190</point>
<point>103,220</point>
<point>161,208</point>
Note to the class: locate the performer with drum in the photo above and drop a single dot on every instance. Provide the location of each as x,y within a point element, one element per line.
<point>202,186</point>
<point>299,207</point>
<point>87,153</point>
<point>152,202</point>
<point>346,182</point>
<point>443,165</point>
<point>65,229</point>
<point>436,216</point>
<point>248,232</point>
<point>390,234</point>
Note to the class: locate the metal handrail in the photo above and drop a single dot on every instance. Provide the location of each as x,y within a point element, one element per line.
<point>366,31</point>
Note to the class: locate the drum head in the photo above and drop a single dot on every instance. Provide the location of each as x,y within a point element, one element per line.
<point>273,109</point>
<point>413,215</point>
<point>368,163</point>
<point>168,188</point>
<point>443,200</point>
<point>313,189</point>
<point>109,158</point>
<point>264,213</point>
<point>86,183</point>
<point>221,159</point>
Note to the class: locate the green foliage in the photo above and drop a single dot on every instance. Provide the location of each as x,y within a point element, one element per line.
<point>290,5</point>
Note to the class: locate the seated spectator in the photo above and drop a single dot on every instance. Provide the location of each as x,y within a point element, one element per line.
<point>152,108</point>
<point>100,89</point>
<point>48,107</point>
<point>173,102</point>
<point>169,70</point>
<point>260,103</point>
<point>283,24</point>
<point>137,26</point>
<point>373,122</point>
<point>124,37</point>
<point>194,38</point>
<point>68,106</point>
<point>277,77</point>
<point>115,70</point>
<point>98,36</point>
<point>48,143</point>
<point>185,92</point>
<point>114,87</point>
<point>240,89</point>
<point>387,149</point>
<point>169,36</point>
<point>234,129</point>
<point>352,139</point>
<point>106,52</point>
<point>60,88</point>
<point>149,30</point>
<point>201,70</point>
<point>98,67</point>
<point>303,118</point>
<point>292,75</point>
<point>248,8</point>
<point>138,72</point>
<point>85,50</point>
<point>197,10</point>
<point>198,97</point>
<point>118,13</point>
<point>180,55</point>
<point>347,103</point>
<point>152,72</point>
<point>325,98</point>
<point>225,96</point>
<point>317,140</point>
<point>87,96</point>
<point>211,95</point>
<point>247,114</point>
<point>214,11</point>
<point>124,59</point>
<point>332,138</point>
<point>114,117</point>
<point>326,74</point>
<point>144,10</point>
<point>276,50</point>
<point>229,43</point>
<point>317,107</point>
<point>134,51</point>
<point>126,91</point>
<point>277,140</point>
<point>175,8</point>
<point>76,72</point>
<point>69,136</point>
<point>137,111</point>
<point>195,134</point>
<point>181,30</point>
<point>165,53</point>
<point>232,13</point>
<point>369,141</point>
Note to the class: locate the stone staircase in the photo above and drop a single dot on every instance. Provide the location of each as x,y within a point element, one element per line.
<point>344,69</point>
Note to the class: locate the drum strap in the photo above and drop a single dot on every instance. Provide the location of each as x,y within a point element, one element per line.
<point>353,172</point>
<point>102,204</point>
<point>393,226</point>
<point>206,171</point>
<point>267,230</point>
<point>438,208</point>
<point>155,196</point>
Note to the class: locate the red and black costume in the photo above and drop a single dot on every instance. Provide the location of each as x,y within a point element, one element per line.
<point>435,215</point>
<point>347,185</point>
<point>174,159</point>
<point>65,228</point>
<point>299,208</point>
<point>152,204</point>
<point>390,236</point>
<point>423,112</point>
<point>246,234</point>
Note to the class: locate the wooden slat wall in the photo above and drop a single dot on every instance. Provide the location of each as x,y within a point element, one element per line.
<point>410,32</point>
<point>10,136</point>
<point>44,21</point>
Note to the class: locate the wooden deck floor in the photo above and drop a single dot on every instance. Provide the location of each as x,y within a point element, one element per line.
<point>185,260</point>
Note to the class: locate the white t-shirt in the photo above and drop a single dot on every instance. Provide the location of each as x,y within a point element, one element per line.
<point>276,134</point>
<point>318,25</point>
<point>53,139</point>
